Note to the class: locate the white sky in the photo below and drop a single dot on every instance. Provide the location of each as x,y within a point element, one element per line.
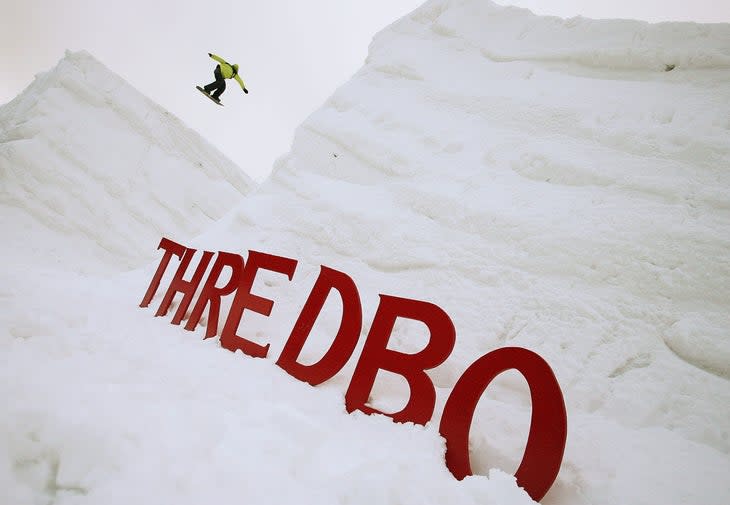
<point>292,53</point>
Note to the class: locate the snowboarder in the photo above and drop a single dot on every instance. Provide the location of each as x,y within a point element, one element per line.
<point>223,71</point>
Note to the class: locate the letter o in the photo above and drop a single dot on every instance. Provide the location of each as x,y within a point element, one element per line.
<point>548,425</point>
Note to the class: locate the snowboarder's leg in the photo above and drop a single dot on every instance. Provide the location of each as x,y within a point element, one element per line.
<point>220,89</point>
<point>217,83</point>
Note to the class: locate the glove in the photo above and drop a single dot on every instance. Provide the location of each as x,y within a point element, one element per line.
<point>245,91</point>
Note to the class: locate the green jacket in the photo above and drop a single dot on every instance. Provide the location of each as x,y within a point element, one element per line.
<point>229,71</point>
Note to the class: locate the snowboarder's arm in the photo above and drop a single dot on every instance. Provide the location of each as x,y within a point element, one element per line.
<point>216,58</point>
<point>240,81</point>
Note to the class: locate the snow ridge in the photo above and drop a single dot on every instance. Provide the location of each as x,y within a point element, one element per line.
<point>85,154</point>
<point>560,185</point>
<point>550,184</point>
<point>508,34</point>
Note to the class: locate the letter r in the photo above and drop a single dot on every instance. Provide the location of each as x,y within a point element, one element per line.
<point>245,299</point>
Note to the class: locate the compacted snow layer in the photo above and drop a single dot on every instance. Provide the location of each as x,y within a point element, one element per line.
<point>559,185</point>
<point>97,170</point>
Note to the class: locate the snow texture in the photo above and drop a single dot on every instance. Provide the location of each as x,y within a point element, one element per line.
<point>560,185</point>
<point>87,162</point>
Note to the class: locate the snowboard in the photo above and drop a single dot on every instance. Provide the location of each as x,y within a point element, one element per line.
<point>206,94</point>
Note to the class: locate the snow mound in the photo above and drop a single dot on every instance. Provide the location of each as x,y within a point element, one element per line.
<point>508,34</point>
<point>551,184</point>
<point>92,171</point>
<point>548,183</point>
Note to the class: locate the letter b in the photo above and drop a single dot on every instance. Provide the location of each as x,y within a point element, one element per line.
<point>376,356</point>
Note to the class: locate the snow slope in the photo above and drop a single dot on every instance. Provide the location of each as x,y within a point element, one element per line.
<point>547,182</point>
<point>97,170</point>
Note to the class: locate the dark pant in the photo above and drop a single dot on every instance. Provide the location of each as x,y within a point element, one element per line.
<point>219,85</point>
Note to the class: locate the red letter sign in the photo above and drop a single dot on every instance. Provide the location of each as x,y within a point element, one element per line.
<point>244,299</point>
<point>213,294</point>
<point>548,426</point>
<point>345,340</point>
<point>170,248</point>
<point>179,285</point>
<point>375,356</point>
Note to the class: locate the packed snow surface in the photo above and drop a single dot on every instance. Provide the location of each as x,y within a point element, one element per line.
<point>91,167</point>
<point>559,185</point>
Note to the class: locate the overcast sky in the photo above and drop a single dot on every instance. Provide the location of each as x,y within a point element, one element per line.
<point>292,53</point>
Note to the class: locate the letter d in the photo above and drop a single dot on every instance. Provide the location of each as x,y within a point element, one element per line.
<point>345,340</point>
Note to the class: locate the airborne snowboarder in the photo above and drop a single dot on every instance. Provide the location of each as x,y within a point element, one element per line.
<point>223,71</point>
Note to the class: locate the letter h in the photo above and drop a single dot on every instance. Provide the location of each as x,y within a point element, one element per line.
<point>187,288</point>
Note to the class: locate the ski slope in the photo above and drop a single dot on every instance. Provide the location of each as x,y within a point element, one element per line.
<point>97,170</point>
<point>559,185</point>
